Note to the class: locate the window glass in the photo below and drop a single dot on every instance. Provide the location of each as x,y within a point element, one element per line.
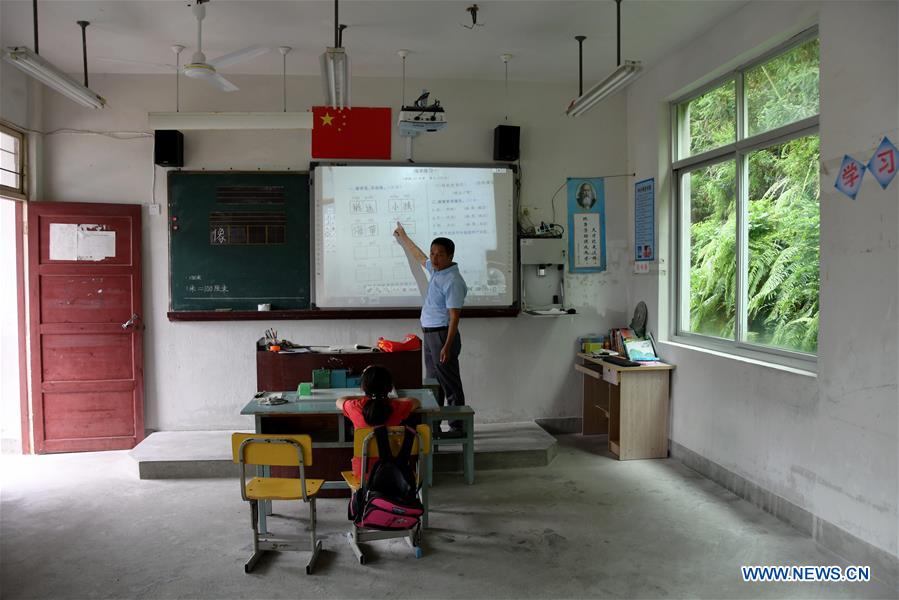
<point>782,90</point>
<point>10,162</point>
<point>707,121</point>
<point>782,278</point>
<point>9,173</point>
<point>8,142</point>
<point>712,246</point>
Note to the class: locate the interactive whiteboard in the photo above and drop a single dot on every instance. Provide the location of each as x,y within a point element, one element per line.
<point>359,263</point>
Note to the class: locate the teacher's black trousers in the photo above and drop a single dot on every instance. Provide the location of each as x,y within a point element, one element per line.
<point>446,374</point>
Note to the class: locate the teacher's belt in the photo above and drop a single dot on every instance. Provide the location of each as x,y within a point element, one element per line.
<point>431,329</point>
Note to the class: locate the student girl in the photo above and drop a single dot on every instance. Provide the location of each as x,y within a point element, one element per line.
<point>375,408</point>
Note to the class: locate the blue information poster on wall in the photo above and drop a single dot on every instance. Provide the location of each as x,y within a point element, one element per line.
<point>644,220</point>
<point>586,225</point>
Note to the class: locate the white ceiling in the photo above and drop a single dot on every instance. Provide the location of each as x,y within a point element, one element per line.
<point>540,34</point>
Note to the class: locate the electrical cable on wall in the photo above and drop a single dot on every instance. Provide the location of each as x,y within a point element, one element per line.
<point>115,135</point>
<point>556,226</point>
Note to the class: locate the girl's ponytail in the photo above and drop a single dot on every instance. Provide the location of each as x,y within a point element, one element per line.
<point>377,384</point>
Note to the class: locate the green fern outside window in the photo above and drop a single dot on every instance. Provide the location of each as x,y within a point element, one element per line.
<point>746,163</point>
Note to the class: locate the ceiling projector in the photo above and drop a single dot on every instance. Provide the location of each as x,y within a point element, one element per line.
<point>421,117</point>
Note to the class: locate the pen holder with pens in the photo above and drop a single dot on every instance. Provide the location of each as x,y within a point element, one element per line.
<point>272,340</point>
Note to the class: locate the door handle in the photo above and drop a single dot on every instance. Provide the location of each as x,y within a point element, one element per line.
<point>130,322</point>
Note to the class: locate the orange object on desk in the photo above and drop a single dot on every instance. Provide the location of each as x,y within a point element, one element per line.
<point>274,348</point>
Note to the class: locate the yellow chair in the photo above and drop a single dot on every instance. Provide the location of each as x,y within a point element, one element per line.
<point>281,451</point>
<point>365,446</point>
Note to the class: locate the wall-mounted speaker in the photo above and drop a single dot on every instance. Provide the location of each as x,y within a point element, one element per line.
<point>168,148</point>
<point>505,142</point>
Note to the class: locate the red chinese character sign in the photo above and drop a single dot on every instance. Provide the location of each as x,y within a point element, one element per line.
<point>884,162</point>
<point>586,225</point>
<point>849,179</point>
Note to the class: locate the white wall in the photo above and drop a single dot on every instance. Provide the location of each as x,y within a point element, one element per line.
<point>198,375</point>
<point>13,94</point>
<point>828,443</point>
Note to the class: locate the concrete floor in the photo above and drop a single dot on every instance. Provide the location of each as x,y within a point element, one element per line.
<point>84,526</point>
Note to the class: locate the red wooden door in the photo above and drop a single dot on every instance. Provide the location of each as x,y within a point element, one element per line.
<point>86,328</point>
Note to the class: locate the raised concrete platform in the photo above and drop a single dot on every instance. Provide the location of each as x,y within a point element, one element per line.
<point>200,454</point>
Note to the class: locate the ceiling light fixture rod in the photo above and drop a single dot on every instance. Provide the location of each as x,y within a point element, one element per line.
<point>618,31</point>
<point>336,27</point>
<point>580,63</point>
<point>36,45</point>
<point>83,25</point>
<point>340,29</point>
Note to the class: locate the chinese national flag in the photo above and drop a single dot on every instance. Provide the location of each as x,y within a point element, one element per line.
<point>351,133</point>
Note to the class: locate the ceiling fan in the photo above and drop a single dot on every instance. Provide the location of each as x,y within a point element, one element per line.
<point>199,67</point>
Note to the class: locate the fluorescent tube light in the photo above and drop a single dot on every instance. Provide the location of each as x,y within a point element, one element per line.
<point>230,120</point>
<point>35,66</point>
<point>623,75</point>
<point>336,77</point>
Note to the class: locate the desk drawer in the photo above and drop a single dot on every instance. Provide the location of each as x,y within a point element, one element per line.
<point>610,375</point>
<point>594,371</point>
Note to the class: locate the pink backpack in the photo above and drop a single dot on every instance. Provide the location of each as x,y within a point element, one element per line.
<point>388,498</point>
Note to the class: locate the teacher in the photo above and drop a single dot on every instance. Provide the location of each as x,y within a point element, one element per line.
<point>440,313</point>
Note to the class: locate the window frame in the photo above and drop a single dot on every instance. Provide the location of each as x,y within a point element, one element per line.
<point>738,151</point>
<point>20,193</point>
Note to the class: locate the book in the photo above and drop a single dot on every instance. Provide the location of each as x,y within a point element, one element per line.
<point>617,339</point>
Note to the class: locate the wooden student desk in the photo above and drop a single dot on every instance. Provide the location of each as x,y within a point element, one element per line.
<point>628,403</point>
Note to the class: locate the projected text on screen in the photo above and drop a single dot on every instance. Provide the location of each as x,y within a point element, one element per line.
<point>358,263</point>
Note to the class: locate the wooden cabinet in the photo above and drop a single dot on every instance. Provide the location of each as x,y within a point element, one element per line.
<point>284,372</point>
<point>628,403</point>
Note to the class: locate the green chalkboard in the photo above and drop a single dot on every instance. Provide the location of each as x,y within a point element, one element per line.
<point>237,240</point>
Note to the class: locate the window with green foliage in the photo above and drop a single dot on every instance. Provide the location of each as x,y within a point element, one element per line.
<point>710,120</point>
<point>746,163</point>
<point>783,89</point>
<point>709,202</point>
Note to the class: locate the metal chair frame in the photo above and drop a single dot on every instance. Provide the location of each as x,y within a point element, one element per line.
<point>267,542</point>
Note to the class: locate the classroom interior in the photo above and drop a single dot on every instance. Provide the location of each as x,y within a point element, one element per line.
<point>771,460</point>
